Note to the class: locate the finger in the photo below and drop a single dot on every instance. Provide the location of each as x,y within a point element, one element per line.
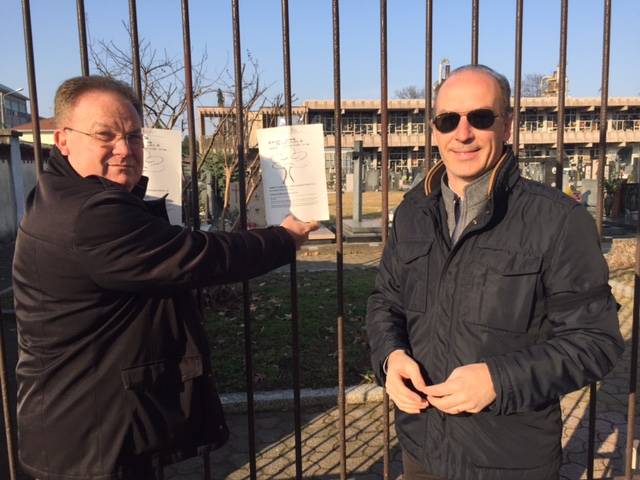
<point>313,225</point>
<point>409,407</point>
<point>402,393</point>
<point>450,403</point>
<point>415,375</point>
<point>440,389</point>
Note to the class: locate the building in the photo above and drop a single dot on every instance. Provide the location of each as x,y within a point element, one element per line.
<point>13,107</point>
<point>47,126</point>
<point>538,131</point>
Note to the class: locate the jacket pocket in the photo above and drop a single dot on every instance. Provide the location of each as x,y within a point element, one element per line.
<point>159,396</point>
<point>414,262</point>
<point>504,286</point>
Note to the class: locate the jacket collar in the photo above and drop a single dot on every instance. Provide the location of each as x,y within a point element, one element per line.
<point>504,176</point>
<point>59,165</point>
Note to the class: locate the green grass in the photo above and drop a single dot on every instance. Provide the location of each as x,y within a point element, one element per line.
<point>272,337</point>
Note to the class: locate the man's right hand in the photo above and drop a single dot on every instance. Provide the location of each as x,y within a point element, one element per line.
<point>400,369</point>
<point>298,229</point>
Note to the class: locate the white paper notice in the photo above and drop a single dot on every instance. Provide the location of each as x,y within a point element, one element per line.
<point>163,166</point>
<point>293,172</point>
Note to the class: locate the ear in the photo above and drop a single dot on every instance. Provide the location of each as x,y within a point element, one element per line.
<point>60,139</point>
<point>508,122</point>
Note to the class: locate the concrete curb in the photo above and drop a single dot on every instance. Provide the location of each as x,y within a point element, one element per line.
<point>283,399</point>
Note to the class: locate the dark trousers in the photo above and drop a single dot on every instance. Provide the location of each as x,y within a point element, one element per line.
<point>413,470</point>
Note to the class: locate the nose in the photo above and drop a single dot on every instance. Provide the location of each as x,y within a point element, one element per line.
<point>464,131</point>
<point>121,147</point>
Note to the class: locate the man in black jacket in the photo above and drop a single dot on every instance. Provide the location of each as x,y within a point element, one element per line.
<point>114,371</point>
<point>491,301</point>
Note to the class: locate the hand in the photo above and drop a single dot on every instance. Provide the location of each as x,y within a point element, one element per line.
<point>468,389</point>
<point>401,368</point>
<point>299,230</point>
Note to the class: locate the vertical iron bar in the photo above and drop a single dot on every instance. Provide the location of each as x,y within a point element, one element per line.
<point>384,119</point>
<point>33,91</point>
<point>191,125</point>
<point>293,272</point>
<point>474,30</point>
<point>240,147</point>
<point>517,80</point>
<point>8,430</point>
<point>604,102</point>
<point>135,48</point>
<point>562,68</point>
<point>428,81</point>
<point>384,126</point>
<point>82,34</point>
<point>337,105</point>
<point>633,375</point>
<point>188,89</point>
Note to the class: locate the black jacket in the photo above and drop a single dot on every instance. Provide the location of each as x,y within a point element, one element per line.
<point>114,367</point>
<point>524,290</point>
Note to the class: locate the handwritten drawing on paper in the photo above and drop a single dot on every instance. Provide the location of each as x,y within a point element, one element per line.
<point>162,164</point>
<point>293,172</point>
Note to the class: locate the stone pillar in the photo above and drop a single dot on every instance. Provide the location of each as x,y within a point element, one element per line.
<point>357,181</point>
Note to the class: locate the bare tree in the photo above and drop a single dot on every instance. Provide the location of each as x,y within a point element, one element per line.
<point>221,152</point>
<point>410,91</point>
<point>162,78</point>
<point>532,85</point>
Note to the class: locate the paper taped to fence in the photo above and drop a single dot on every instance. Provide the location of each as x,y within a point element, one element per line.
<point>293,172</point>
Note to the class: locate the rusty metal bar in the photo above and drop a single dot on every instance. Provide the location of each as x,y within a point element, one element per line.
<point>384,120</point>
<point>246,296</point>
<point>633,376</point>
<point>293,269</point>
<point>428,81</point>
<point>604,102</point>
<point>475,27</point>
<point>188,89</point>
<point>562,69</point>
<point>82,34</point>
<point>191,125</point>
<point>33,91</point>
<point>339,238</point>
<point>384,127</point>
<point>8,430</point>
<point>135,49</point>
<point>517,79</point>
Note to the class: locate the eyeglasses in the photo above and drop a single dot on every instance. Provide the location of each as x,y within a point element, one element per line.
<point>108,137</point>
<point>481,118</point>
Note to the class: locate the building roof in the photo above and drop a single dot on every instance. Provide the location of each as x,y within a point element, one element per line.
<point>46,124</point>
<point>5,89</point>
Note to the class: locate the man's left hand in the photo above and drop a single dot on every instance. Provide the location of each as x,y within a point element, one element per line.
<point>468,389</point>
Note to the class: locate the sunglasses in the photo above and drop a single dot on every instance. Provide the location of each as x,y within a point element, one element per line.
<point>481,118</point>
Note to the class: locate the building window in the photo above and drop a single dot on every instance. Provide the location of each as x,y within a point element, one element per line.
<point>588,121</point>
<point>357,123</point>
<point>570,120</point>
<point>399,122</point>
<point>532,121</point>
<point>326,119</point>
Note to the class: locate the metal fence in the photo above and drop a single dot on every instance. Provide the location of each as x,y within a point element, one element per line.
<point>240,148</point>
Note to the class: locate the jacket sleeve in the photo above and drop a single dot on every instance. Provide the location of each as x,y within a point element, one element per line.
<point>585,339</point>
<point>124,247</point>
<point>386,321</point>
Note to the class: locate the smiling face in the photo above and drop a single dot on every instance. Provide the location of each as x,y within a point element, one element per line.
<point>102,114</point>
<point>468,152</point>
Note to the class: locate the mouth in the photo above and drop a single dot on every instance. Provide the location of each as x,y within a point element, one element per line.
<point>466,153</point>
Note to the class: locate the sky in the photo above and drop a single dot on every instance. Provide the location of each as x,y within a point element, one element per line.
<point>57,57</point>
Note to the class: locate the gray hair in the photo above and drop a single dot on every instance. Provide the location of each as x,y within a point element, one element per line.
<point>501,80</point>
<point>71,89</point>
